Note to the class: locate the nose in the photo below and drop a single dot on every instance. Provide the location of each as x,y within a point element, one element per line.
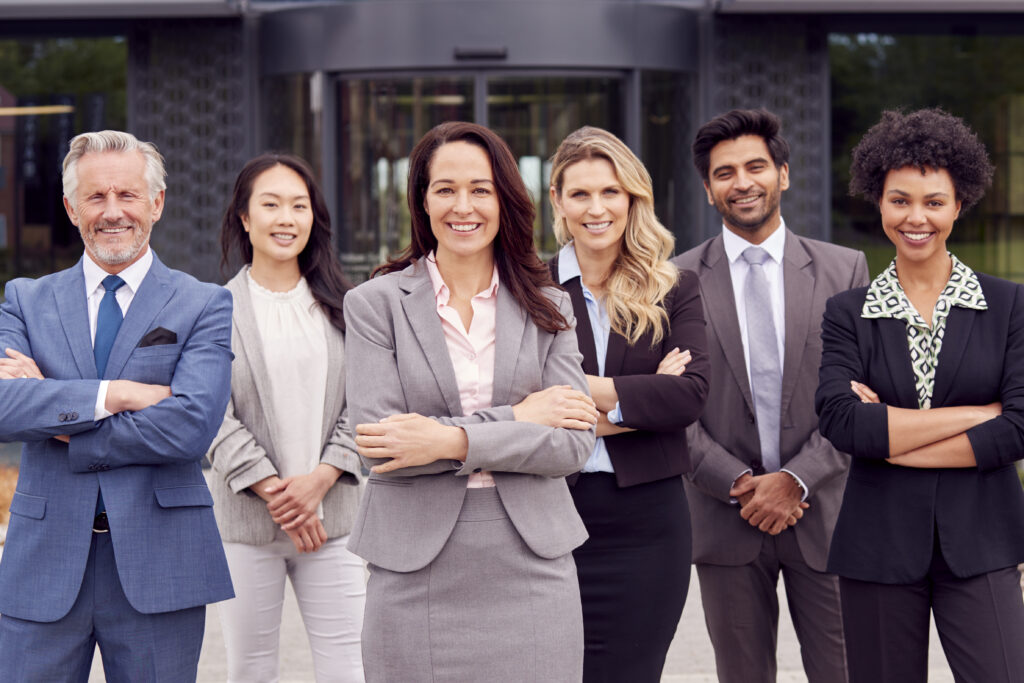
<point>596,207</point>
<point>462,203</point>
<point>916,216</point>
<point>112,210</point>
<point>742,180</point>
<point>285,216</point>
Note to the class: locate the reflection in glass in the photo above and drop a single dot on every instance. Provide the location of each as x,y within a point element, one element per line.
<point>379,122</point>
<point>534,114</point>
<point>977,78</point>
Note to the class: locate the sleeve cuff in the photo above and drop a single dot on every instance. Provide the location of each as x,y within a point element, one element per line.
<point>615,415</point>
<point>734,501</point>
<point>100,411</point>
<point>799,481</point>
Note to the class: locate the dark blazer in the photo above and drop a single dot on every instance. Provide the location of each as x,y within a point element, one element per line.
<point>658,407</point>
<point>891,515</point>
<point>725,441</point>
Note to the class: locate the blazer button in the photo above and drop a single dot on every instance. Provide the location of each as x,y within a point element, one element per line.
<point>478,469</point>
<point>63,417</point>
<point>750,419</point>
<point>72,416</point>
<point>755,464</point>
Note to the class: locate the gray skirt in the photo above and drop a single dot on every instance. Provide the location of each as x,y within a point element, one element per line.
<point>486,609</point>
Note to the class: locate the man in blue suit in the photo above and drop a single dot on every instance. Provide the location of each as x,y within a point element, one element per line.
<point>116,377</point>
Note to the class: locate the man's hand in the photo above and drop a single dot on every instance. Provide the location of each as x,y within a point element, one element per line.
<point>126,395</point>
<point>770,502</point>
<point>410,440</point>
<point>18,366</point>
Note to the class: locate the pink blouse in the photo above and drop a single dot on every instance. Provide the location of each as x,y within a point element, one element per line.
<point>471,351</point>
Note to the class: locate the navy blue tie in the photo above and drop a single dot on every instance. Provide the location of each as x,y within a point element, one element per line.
<point>108,322</point>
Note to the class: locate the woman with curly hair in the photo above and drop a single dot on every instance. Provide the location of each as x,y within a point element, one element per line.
<point>922,383</point>
<point>640,326</point>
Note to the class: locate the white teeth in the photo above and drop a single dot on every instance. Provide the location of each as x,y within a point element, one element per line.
<point>917,236</point>
<point>463,227</point>
<point>113,231</point>
<point>282,236</point>
<point>746,200</point>
<point>597,226</point>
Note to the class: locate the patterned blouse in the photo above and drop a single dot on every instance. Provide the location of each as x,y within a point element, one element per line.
<point>886,299</point>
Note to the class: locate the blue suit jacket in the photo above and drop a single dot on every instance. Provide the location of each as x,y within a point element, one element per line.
<point>147,463</point>
<point>891,515</point>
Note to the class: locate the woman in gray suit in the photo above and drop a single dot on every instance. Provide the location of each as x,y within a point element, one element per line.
<point>469,402</point>
<point>285,472</point>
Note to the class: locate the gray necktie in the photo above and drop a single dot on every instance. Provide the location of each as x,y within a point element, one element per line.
<point>765,368</point>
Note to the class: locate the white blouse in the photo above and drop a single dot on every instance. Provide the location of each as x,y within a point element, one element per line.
<point>293,330</point>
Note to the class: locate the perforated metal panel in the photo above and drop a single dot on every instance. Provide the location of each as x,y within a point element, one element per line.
<point>781,64</point>
<point>188,94</point>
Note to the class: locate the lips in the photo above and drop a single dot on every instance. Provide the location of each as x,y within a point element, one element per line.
<point>746,201</point>
<point>598,227</point>
<point>464,227</point>
<point>917,236</point>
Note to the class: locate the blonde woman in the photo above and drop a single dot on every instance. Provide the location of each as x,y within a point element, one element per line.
<point>640,326</point>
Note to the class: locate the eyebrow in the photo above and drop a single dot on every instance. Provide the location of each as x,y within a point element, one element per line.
<point>930,195</point>
<point>452,182</point>
<point>277,196</point>
<point>758,160</point>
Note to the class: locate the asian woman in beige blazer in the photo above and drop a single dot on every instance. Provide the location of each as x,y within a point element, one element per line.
<point>285,473</point>
<point>468,400</point>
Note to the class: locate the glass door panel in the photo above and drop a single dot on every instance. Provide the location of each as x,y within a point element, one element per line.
<point>379,122</point>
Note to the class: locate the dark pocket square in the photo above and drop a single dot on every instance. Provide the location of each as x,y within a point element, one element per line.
<point>158,336</point>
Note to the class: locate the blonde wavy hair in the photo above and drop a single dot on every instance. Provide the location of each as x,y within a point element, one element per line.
<point>641,276</point>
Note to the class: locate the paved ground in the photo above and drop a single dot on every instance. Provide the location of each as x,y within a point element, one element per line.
<point>690,660</point>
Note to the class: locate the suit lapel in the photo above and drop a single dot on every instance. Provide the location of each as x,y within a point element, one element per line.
<point>896,351</point>
<point>74,317</point>
<point>421,311</point>
<point>954,343</point>
<point>510,325</point>
<point>798,284</point>
<point>154,293</point>
<point>720,306</point>
<point>584,332</point>
<point>244,318</point>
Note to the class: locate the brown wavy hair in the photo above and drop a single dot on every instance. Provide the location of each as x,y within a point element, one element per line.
<point>519,267</point>
<point>317,262</point>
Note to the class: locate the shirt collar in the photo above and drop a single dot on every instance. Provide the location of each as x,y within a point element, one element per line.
<point>775,245</point>
<point>568,264</point>
<point>885,297</point>
<point>133,275</point>
<point>441,291</point>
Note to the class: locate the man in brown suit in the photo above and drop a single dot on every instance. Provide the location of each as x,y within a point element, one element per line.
<point>766,486</point>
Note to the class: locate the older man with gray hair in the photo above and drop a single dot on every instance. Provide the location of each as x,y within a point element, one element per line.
<point>115,376</point>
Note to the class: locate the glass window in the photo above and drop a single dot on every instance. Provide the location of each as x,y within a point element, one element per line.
<point>293,106</point>
<point>534,114</point>
<point>975,77</point>
<point>51,89</point>
<point>379,122</point>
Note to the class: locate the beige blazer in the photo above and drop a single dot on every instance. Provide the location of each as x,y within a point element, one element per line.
<point>724,442</point>
<point>244,450</point>
<point>399,363</point>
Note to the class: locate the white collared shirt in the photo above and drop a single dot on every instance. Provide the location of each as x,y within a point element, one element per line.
<point>133,276</point>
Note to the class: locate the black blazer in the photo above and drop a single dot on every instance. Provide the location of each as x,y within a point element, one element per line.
<point>892,515</point>
<point>658,407</point>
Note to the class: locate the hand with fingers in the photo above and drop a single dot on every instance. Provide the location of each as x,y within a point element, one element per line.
<point>558,406</point>
<point>294,501</point>
<point>18,366</point>
<point>674,362</point>
<point>409,439</point>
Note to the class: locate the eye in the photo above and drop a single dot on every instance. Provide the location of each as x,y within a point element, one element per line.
<point>899,201</point>
<point>756,168</point>
<point>936,204</point>
<point>269,205</point>
<point>481,191</point>
<point>300,207</point>
<point>611,191</point>
<point>444,191</point>
<point>578,194</point>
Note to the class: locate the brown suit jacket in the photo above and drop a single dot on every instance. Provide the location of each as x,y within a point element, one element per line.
<point>724,442</point>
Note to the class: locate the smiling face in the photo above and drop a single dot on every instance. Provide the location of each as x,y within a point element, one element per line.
<point>918,210</point>
<point>595,207</point>
<point>112,208</point>
<point>462,203</point>
<point>745,186</point>
<point>279,218</point>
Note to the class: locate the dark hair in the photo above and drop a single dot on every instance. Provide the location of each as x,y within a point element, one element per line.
<point>317,261</point>
<point>519,267</point>
<point>734,124</point>
<point>924,139</point>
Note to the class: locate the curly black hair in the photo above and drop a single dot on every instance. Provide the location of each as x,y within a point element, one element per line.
<point>924,139</point>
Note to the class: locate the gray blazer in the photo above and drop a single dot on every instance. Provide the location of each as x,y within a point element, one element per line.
<point>244,450</point>
<point>400,364</point>
<point>724,442</point>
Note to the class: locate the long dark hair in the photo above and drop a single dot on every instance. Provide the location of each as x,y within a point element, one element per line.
<point>317,261</point>
<point>519,267</point>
